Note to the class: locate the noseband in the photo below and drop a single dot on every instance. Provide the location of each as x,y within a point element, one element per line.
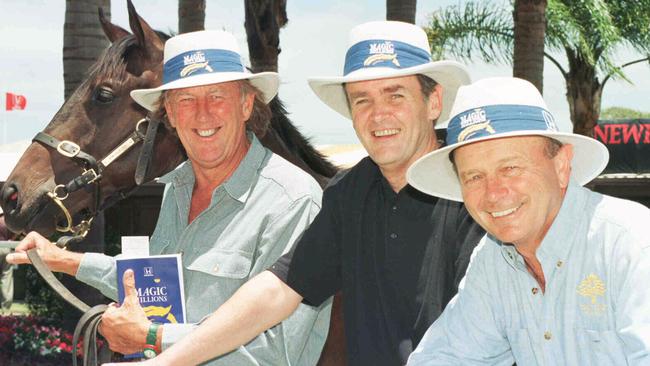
<point>92,171</point>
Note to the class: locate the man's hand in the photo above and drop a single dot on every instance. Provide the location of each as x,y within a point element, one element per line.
<point>57,259</point>
<point>125,327</point>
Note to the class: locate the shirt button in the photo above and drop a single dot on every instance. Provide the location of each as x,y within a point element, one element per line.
<point>394,208</point>
<point>535,290</point>
<point>547,335</point>
<point>393,236</point>
<point>559,264</point>
<point>215,269</point>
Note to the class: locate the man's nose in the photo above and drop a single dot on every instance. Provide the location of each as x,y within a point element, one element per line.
<point>495,189</point>
<point>379,111</point>
<point>203,112</point>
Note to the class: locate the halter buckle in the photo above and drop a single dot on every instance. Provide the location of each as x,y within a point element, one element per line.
<point>92,174</point>
<point>68,148</point>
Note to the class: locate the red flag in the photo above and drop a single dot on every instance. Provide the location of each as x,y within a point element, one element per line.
<point>15,102</point>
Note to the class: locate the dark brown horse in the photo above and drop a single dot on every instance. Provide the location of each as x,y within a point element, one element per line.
<point>100,116</point>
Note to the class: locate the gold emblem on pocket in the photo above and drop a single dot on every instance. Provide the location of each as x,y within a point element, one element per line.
<point>592,288</point>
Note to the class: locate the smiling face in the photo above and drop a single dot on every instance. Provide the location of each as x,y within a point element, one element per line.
<point>512,187</point>
<point>393,120</point>
<point>211,123</point>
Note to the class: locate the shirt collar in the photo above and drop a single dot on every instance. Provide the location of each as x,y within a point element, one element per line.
<point>239,185</point>
<point>559,239</point>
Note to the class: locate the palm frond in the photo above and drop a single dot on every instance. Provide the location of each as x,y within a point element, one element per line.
<point>475,29</point>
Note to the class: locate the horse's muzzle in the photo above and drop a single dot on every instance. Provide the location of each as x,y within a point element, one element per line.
<point>23,215</point>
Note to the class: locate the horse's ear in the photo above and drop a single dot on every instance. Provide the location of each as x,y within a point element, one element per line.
<point>112,31</point>
<point>147,38</point>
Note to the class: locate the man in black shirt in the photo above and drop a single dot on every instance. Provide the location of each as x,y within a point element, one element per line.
<point>396,254</point>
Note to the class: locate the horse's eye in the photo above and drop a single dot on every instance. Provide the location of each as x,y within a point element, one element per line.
<point>104,95</point>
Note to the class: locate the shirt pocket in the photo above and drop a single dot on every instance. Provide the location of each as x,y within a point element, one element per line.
<point>600,347</point>
<point>235,264</point>
<point>521,346</point>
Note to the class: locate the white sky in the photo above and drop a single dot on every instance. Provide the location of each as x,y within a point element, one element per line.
<point>313,44</point>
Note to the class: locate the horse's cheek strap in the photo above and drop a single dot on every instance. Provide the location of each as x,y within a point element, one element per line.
<point>144,160</point>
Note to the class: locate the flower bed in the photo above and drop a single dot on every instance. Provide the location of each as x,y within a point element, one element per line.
<point>26,340</point>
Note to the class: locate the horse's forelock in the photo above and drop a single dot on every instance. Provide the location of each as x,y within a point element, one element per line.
<point>112,62</point>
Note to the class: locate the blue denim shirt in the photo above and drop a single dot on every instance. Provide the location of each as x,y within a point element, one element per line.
<point>253,218</point>
<point>596,308</point>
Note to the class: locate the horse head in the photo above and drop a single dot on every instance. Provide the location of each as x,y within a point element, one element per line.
<point>98,117</point>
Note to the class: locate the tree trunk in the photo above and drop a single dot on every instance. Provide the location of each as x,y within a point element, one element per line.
<point>263,20</point>
<point>530,27</point>
<point>584,93</point>
<point>191,15</point>
<point>83,43</point>
<point>83,39</point>
<point>401,10</point>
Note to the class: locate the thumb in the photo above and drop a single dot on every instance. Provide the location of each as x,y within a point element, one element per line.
<point>128,279</point>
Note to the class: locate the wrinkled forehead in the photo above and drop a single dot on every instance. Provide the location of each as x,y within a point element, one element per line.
<point>199,89</point>
<point>383,85</point>
<point>502,149</point>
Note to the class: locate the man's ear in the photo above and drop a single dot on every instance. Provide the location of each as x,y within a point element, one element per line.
<point>434,103</point>
<point>562,163</point>
<point>247,105</point>
<point>170,111</point>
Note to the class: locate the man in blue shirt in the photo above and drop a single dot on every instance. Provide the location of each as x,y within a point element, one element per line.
<point>561,277</point>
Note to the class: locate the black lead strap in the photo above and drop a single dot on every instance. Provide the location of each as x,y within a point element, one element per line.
<point>144,160</point>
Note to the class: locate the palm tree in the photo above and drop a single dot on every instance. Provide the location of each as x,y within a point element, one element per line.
<point>588,32</point>
<point>263,20</point>
<point>528,55</point>
<point>402,10</point>
<point>191,15</point>
<point>83,39</point>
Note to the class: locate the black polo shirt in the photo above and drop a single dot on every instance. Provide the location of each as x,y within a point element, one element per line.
<point>398,257</point>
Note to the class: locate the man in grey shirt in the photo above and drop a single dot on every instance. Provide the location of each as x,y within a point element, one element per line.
<point>231,210</point>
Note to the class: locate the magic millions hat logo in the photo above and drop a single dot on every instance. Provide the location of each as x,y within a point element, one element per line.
<point>592,289</point>
<point>148,271</point>
<point>472,122</point>
<point>194,62</point>
<point>550,121</point>
<point>379,52</point>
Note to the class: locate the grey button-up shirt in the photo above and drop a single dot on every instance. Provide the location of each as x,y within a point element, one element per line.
<point>253,218</point>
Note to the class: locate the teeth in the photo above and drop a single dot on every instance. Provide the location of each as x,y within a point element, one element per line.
<point>505,212</point>
<point>388,132</point>
<point>206,133</point>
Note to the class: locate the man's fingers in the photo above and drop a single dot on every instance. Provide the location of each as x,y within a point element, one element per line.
<point>29,242</point>
<point>17,258</point>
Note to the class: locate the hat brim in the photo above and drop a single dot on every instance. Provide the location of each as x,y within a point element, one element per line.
<point>449,74</point>
<point>267,82</point>
<point>434,173</point>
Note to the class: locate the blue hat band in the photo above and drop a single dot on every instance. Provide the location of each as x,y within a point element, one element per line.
<point>197,62</point>
<point>384,53</point>
<point>498,119</point>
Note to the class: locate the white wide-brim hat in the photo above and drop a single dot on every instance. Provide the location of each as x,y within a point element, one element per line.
<point>388,49</point>
<point>202,58</point>
<point>495,108</point>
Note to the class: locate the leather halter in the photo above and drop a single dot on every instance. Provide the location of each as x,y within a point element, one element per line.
<point>91,175</point>
<point>92,171</point>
